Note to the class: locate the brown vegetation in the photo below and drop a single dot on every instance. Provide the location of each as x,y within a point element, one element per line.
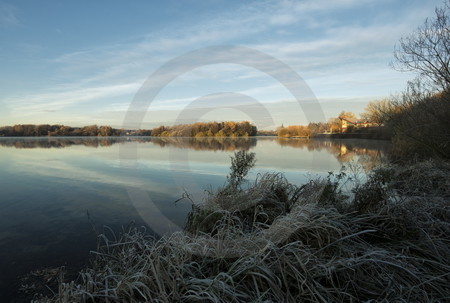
<point>43,130</point>
<point>420,124</point>
<point>207,129</point>
<point>276,242</point>
<point>301,131</point>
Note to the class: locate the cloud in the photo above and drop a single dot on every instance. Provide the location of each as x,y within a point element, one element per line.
<point>65,97</point>
<point>247,21</point>
<point>283,19</point>
<point>8,16</point>
<point>331,53</point>
<point>285,13</point>
<point>133,61</point>
<point>115,61</point>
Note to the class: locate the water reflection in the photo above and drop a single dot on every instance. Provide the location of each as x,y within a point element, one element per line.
<point>47,185</point>
<point>62,142</point>
<point>209,143</point>
<point>369,153</point>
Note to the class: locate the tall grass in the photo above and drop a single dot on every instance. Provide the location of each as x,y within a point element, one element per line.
<point>272,241</point>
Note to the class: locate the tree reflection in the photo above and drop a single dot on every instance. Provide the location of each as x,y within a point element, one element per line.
<point>213,144</point>
<point>209,143</point>
<point>368,153</point>
<point>52,142</point>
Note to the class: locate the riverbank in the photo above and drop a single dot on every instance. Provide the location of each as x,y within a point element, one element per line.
<point>271,240</point>
<point>352,136</point>
<point>372,133</point>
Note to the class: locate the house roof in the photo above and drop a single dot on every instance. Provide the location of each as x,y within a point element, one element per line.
<point>348,120</point>
<point>353,121</point>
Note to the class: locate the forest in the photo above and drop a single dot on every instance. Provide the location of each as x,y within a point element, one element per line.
<point>41,130</point>
<point>207,129</point>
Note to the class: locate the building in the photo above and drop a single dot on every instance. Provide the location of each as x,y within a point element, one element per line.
<point>348,123</point>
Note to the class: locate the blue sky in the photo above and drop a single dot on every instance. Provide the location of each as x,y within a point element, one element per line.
<point>82,62</point>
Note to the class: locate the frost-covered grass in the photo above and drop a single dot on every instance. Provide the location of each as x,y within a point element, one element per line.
<point>272,241</point>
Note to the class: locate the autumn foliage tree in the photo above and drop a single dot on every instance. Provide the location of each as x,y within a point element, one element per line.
<point>32,130</point>
<point>294,131</point>
<point>207,129</point>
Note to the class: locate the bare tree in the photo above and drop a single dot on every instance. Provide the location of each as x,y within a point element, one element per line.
<point>427,50</point>
<point>347,115</point>
<point>377,111</point>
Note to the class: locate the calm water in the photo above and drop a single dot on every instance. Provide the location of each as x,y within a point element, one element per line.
<point>49,185</point>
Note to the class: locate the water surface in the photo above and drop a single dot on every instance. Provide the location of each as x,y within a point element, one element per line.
<point>54,190</point>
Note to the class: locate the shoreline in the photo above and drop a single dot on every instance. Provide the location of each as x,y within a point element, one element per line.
<point>286,242</point>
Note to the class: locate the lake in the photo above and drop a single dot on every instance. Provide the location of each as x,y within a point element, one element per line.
<point>54,191</point>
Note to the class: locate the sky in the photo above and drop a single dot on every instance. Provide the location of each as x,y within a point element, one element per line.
<point>140,64</point>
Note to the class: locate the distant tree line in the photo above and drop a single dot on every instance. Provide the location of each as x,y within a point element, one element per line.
<point>41,130</point>
<point>267,133</point>
<point>303,131</point>
<point>207,129</point>
<point>59,143</point>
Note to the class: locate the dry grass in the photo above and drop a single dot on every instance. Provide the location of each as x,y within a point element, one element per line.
<point>276,242</point>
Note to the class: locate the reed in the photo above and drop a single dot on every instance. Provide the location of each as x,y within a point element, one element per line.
<point>272,241</point>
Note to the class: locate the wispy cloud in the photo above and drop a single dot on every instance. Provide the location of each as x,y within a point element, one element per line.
<point>329,54</point>
<point>138,59</point>
<point>249,20</point>
<point>288,12</point>
<point>8,16</point>
<point>61,98</point>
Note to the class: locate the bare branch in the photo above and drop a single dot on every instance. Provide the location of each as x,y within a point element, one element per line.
<point>427,50</point>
